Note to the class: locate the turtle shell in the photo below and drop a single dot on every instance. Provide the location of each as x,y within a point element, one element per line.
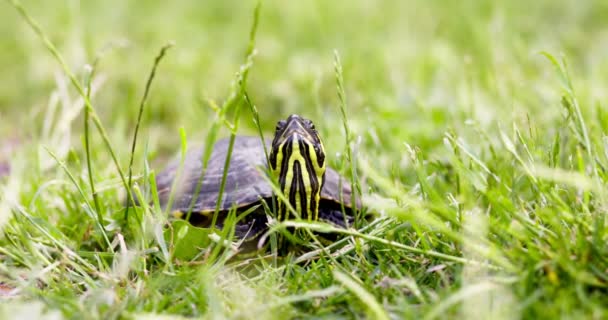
<point>245,181</point>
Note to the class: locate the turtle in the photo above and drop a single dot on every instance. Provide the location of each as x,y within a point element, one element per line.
<point>296,157</point>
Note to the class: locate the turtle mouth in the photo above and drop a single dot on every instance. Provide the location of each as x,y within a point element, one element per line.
<point>297,159</point>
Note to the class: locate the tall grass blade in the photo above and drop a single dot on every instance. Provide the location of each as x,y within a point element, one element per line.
<point>142,104</point>
<point>350,158</point>
<point>375,309</point>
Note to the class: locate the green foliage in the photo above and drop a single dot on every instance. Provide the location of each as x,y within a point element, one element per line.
<point>475,131</point>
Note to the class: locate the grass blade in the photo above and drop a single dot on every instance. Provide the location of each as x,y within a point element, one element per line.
<point>351,162</point>
<point>375,309</point>
<point>142,104</point>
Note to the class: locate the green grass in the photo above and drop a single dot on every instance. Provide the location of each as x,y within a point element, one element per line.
<point>476,131</point>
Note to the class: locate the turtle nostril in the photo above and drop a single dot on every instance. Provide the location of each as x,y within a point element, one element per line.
<point>292,117</point>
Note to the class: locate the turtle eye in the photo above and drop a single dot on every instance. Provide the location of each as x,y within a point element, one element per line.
<point>280,125</point>
<point>310,124</point>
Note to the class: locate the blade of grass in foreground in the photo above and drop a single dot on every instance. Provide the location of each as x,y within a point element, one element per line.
<point>324,227</point>
<point>84,197</point>
<point>375,309</point>
<point>354,182</point>
<point>142,104</point>
<point>460,295</point>
<point>570,101</point>
<point>87,145</point>
<point>233,99</point>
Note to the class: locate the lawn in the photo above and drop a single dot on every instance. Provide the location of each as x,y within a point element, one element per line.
<point>474,130</point>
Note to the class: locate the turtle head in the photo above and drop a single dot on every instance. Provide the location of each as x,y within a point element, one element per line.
<point>297,159</point>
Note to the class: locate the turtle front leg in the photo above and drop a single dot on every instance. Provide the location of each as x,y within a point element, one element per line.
<point>252,226</point>
<point>336,217</point>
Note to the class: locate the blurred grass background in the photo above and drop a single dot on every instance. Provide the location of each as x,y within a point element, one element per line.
<point>413,71</point>
<point>412,67</point>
